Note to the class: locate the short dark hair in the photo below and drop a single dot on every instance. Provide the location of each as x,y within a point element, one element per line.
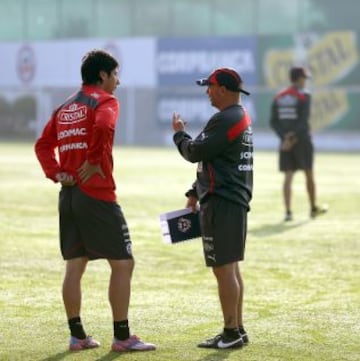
<point>93,63</point>
<point>297,72</point>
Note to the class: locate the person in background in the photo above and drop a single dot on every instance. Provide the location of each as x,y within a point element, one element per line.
<point>223,152</point>
<point>91,222</point>
<point>290,113</point>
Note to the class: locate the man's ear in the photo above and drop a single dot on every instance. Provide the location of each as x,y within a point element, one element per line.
<point>223,90</point>
<point>102,75</point>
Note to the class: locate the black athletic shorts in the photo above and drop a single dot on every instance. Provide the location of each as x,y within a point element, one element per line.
<point>223,227</point>
<point>91,228</point>
<point>301,156</point>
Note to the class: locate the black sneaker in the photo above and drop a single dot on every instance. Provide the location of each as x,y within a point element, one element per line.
<point>245,337</point>
<point>221,341</point>
<point>288,216</point>
<point>317,211</point>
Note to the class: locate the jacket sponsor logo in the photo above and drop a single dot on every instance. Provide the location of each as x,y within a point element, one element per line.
<point>287,113</point>
<point>246,155</point>
<point>95,95</point>
<point>245,167</point>
<point>71,146</point>
<point>71,133</point>
<point>287,100</point>
<point>247,138</point>
<point>74,114</point>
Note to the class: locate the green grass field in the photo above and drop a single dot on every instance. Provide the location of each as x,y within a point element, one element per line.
<point>302,297</point>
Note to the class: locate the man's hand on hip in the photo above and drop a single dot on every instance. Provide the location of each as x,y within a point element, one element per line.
<point>87,170</point>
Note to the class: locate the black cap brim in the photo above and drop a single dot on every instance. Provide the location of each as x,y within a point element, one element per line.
<point>244,92</point>
<point>205,82</point>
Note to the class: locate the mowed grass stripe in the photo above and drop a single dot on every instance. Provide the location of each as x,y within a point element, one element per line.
<point>302,279</point>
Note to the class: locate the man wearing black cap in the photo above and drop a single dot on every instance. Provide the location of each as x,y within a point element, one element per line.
<point>223,187</point>
<point>290,114</point>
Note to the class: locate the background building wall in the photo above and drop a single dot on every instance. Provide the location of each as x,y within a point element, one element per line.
<point>163,46</point>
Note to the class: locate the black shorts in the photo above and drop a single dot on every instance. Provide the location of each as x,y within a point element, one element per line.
<point>223,227</point>
<point>301,156</point>
<point>91,228</point>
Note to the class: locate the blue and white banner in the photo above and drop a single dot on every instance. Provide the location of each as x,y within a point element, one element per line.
<point>180,61</point>
<point>195,109</point>
<point>57,63</point>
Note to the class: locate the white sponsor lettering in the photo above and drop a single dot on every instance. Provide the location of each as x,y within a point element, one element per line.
<point>172,62</point>
<point>287,113</point>
<point>71,146</point>
<point>212,257</point>
<point>71,132</point>
<point>287,100</point>
<point>245,167</point>
<point>246,155</point>
<point>128,248</point>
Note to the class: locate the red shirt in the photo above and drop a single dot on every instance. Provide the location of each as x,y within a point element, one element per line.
<point>82,129</point>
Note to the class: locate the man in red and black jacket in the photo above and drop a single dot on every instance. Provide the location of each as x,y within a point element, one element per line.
<point>92,224</point>
<point>223,187</point>
<point>290,113</point>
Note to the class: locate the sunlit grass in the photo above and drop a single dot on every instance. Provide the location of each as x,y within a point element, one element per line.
<point>302,279</point>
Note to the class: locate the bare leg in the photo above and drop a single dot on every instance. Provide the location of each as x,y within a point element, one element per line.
<point>71,289</point>
<point>229,293</point>
<point>241,295</point>
<point>287,189</point>
<point>310,187</point>
<point>120,288</point>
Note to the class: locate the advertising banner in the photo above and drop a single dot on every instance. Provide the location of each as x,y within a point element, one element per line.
<point>332,58</point>
<point>57,63</point>
<point>194,107</point>
<point>333,61</point>
<point>180,61</point>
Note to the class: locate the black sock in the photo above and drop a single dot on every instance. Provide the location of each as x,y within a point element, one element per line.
<point>242,330</point>
<point>76,328</point>
<point>232,333</point>
<point>121,330</point>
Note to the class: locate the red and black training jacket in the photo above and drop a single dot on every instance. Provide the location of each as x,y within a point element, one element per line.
<point>224,153</point>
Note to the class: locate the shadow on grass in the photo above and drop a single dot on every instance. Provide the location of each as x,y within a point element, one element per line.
<point>111,356</point>
<point>270,229</point>
<point>59,356</point>
<point>62,355</point>
<point>218,355</point>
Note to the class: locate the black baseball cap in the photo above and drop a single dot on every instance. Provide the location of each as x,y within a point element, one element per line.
<point>297,72</point>
<point>226,77</point>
